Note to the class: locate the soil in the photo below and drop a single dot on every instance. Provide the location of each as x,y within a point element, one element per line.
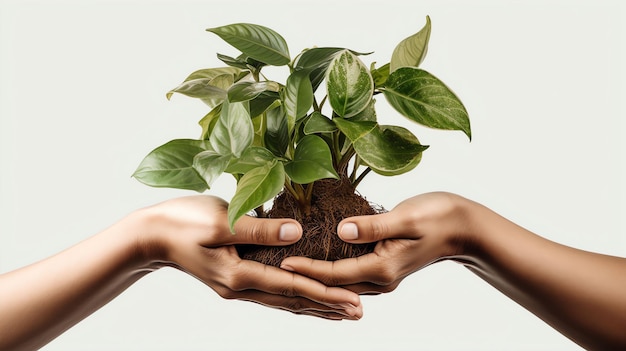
<point>332,201</point>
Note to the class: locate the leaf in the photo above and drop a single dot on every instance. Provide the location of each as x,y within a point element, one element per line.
<point>380,74</point>
<point>252,158</point>
<point>297,96</point>
<point>276,135</point>
<point>411,51</point>
<point>256,187</point>
<point>171,165</point>
<point>210,165</point>
<point>209,84</point>
<point>208,121</point>
<point>403,151</point>
<point>200,88</point>
<point>258,42</point>
<point>233,132</point>
<point>388,150</point>
<point>210,73</point>
<point>368,114</point>
<point>244,91</point>
<point>349,84</point>
<point>318,123</point>
<point>312,161</point>
<point>354,130</point>
<point>233,62</point>
<point>423,98</point>
<point>315,62</point>
<point>267,100</point>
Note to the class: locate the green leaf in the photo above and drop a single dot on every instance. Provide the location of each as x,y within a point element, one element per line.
<point>209,85</point>
<point>260,43</point>
<point>380,74</point>
<point>312,161</point>
<point>201,88</point>
<point>244,91</point>
<point>233,132</point>
<point>318,123</point>
<point>171,165</point>
<point>208,121</point>
<point>411,51</point>
<point>423,98</point>
<point>297,96</point>
<point>315,62</point>
<point>276,137</point>
<point>368,114</point>
<point>267,100</point>
<point>211,73</point>
<point>388,150</point>
<point>252,158</point>
<point>210,165</point>
<point>354,130</point>
<point>403,151</point>
<point>256,187</point>
<point>349,84</point>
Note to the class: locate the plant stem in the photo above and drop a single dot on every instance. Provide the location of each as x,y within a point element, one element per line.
<point>355,167</point>
<point>342,167</point>
<point>360,178</point>
<point>291,190</point>
<point>336,150</point>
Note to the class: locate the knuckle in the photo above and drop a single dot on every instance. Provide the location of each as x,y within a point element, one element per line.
<point>228,294</point>
<point>258,234</point>
<point>385,275</point>
<point>296,306</point>
<point>378,229</point>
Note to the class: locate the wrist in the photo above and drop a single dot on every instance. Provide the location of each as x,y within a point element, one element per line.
<point>464,239</point>
<point>149,244</point>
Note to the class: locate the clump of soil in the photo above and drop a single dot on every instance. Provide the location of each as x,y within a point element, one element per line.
<point>332,201</point>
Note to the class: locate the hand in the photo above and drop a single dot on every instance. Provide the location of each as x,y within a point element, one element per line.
<point>418,232</point>
<point>192,234</point>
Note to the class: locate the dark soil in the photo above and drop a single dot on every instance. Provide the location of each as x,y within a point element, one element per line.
<point>333,200</point>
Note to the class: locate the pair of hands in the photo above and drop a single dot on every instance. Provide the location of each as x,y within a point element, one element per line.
<point>192,234</point>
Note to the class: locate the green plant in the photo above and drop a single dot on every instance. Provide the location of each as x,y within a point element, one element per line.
<point>275,137</point>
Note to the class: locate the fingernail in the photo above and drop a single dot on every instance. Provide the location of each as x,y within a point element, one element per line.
<point>349,231</point>
<point>289,232</point>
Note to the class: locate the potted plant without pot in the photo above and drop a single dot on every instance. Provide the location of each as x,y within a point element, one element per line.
<point>304,147</point>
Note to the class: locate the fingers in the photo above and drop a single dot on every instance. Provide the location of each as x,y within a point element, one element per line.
<point>367,229</point>
<point>297,305</point>
<point>254,276</point>
<point>264,231</point>
<point>368,269</point>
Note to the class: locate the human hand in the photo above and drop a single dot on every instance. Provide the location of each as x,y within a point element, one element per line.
<point>417,232</point>
<point>192,234</point>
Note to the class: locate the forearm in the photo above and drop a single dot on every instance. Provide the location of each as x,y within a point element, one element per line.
<point>579,293</point>
<point>41,301</point>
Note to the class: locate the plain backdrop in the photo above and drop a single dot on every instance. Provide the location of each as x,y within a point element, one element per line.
<point>82,101</point>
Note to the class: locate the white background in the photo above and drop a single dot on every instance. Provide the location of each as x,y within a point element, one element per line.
<point>82,100</point>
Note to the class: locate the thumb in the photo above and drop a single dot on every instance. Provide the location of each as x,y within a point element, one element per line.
<point>265,231</point>
<point>372,228</point>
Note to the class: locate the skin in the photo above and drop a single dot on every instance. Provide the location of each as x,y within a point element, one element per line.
<point>579,293</point>
<point>41,301</point>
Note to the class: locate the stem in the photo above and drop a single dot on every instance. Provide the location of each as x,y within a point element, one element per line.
<point>291,190</point>
<point>336,150</point>
<point>342,167</point>
<point>309,193</point>
<point>355,167</point>
<point>360,178</point>
<point>323,101</point>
